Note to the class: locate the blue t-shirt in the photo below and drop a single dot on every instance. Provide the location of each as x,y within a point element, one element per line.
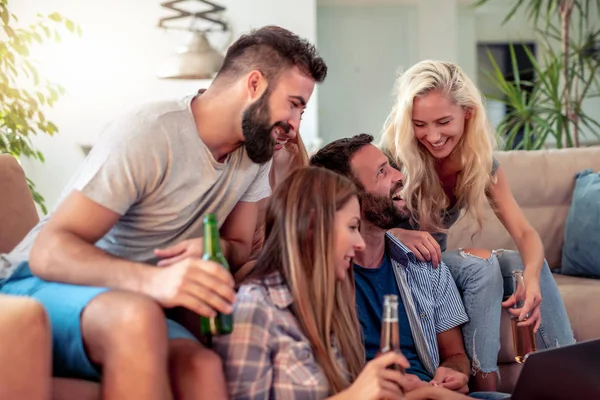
<point>371,285</point>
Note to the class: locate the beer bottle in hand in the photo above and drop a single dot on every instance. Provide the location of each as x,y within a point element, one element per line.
<point>390,331</point>
<point>523,336</point>
<point>222,324</point>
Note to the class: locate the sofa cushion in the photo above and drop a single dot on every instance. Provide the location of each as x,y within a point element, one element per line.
<point>581,296</point>
<point>581,250</point>
<point>542,183</point>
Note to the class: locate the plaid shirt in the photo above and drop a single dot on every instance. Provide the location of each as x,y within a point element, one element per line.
<point>267,356</point>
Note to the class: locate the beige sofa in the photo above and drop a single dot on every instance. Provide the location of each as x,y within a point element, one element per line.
<point>542,183</point>
<point>17,216</point>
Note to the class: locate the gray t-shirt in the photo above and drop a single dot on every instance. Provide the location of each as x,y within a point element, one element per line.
<point>151,167</point>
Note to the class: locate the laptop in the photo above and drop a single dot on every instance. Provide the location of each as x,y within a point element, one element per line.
<point>564,373</point>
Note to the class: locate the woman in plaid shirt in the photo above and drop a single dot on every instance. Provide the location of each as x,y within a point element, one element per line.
<point>296,334</point>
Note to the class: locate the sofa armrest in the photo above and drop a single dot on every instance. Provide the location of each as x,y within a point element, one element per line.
<point>18,214</point>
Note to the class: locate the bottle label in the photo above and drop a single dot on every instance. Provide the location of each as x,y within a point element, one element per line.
<point>213,326</point>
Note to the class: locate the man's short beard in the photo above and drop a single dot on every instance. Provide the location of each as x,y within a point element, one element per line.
<point>380,210</point>
<point>259,142</point>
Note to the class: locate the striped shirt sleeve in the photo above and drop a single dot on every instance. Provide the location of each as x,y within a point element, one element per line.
<point>246,351</point>
<point>450,311</point>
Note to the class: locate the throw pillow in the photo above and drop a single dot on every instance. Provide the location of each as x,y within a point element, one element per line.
<point>581,250</point>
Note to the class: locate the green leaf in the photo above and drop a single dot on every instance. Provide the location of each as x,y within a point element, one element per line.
<point>9,31</point>
<point>28,66</point>
<point>70,25</point>
<point>4,15</point>
<point>37,37</point>
<point>55,17</point>
<point>21,110</point>
<point>51,128</point>
<point>512,11</point>
<point>21,49</point>
<point>479,3</point>
<point>53,94</point>
<point>515,68</point>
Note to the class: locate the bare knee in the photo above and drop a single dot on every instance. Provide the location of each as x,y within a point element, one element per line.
<point>37,324</point>
<point>25,321</point>
<point>192,357</point>
<point>24,311</point>
<point>25,349</point>
<point>35,316</point>
<point>481,253</point>
<point>116,318</point>
<point>196,372</point>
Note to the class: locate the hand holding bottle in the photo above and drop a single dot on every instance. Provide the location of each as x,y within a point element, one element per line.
<point>377,381</point>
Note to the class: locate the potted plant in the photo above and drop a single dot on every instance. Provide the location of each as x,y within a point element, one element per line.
<point>566,74</point>
<point>23,93</point>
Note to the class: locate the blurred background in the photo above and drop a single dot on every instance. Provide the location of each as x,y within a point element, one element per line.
<point>122,57</point>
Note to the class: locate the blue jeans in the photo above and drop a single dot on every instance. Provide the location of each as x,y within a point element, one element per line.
<point>483,283</point>
<point>489,395</point>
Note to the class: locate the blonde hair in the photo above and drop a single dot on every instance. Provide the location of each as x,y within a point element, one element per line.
<point>422,188</point>
<point>300,245</point>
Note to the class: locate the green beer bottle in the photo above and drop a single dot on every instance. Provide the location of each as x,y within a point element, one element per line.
<point>222,324</point>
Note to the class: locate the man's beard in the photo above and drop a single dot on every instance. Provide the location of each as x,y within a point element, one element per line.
<point>381,211</point>
<point>259,141</point>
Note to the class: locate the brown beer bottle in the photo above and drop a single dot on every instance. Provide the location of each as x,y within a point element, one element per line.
<point>523,336</point>
<point>222,324</point>
<point>390,330</point>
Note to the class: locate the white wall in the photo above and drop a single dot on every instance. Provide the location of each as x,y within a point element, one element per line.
<point>367,41</point>
<point>364,48</point>
<point>437,30</point>
<point>113,67</point>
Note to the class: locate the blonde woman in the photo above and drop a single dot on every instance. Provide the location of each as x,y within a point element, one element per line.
<point>296,333</point>
<point>439,132</point>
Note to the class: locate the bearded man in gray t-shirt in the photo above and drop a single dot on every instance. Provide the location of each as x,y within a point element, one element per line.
<point>125,242</point>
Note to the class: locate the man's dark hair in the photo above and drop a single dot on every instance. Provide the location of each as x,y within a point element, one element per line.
<point>271,50</point>
<point>336,155</point>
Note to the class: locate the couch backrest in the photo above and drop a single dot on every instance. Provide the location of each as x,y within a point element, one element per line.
<point>18,214</point>
<point>542,182</point>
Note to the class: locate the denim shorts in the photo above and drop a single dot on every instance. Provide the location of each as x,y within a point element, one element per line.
<point>64,304</point>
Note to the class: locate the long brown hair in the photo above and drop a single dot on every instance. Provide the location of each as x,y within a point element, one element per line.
<point>300,245</point>
<point>298,158</point>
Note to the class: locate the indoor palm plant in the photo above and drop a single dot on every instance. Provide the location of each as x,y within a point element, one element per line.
<point>567,72</point>
<point>24,95</point>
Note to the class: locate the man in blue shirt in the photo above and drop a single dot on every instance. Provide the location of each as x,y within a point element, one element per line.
<point>431,311</point>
